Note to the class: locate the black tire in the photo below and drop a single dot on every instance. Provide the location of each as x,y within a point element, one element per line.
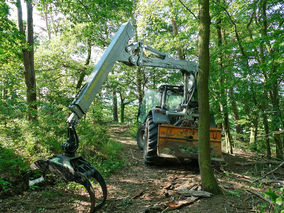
<point>140,136</point>
<point>150,146</point>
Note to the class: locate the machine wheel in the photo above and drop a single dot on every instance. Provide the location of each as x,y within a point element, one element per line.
<point>150,145</point>
<point>140,136</point>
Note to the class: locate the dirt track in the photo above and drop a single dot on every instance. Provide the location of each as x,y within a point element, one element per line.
<point>137,188</point>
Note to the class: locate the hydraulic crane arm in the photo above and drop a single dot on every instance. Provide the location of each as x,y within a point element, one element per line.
<point>130,54</point>
<point>74,168</point>
<point>87,93</point>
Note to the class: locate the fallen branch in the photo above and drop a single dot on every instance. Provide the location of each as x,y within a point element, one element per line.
<point>273,170</point>
<point>186,192</point>
<point>279,182</point>
<point>170,205</point>
<point>258,162</point>
<point>261,197</point>
<point>179,203</point>
<point>141,192</point>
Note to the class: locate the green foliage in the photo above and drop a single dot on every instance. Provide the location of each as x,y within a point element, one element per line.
<point>133,130</point>
<point>254,74</point>
<point>4,185</point>
<point>277,199</point>
<point>10,39</point>
<point>111,148</point>
<point>11,165</point>
<point>10,162</point>
<point>126,201</point>
<point>109,158</point>
<point>235,193</point>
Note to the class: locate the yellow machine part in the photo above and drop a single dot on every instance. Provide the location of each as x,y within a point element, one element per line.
<point>182,142</point>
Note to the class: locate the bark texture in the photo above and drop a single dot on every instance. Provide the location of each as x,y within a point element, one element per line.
<point>208,180</point>
<point>114,105</point>
<point>28,59</point>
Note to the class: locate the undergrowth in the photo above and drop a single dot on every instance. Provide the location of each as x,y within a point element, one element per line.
<point>22,142</point>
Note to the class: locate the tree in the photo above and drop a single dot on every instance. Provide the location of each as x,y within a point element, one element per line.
<point>255,36</point>
<point>28,59</point>
<point>208,180</point>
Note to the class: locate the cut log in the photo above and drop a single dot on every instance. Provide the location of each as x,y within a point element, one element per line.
<point>186,192</point>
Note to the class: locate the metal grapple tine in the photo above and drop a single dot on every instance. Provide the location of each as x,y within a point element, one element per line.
<point>75,169</point>
<point>83,180</point>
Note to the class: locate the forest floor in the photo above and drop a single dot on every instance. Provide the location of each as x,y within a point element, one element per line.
<point>138,188</point>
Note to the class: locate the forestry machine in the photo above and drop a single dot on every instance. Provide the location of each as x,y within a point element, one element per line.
<point>167,128</point>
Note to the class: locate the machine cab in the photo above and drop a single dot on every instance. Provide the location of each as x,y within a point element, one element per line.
<point>167,98</point>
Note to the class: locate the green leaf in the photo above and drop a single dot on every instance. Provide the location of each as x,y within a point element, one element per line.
<point>279,201</point>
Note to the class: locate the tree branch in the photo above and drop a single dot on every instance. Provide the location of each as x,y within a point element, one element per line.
<point>86,11</point>
<point>273,170</point>
<point>235,29</point>
<point>188,9</point>
<point>261,197</point>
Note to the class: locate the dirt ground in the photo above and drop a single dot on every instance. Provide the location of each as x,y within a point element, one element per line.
<point>138,188</point>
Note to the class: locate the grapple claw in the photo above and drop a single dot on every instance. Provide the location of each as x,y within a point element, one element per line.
<point>74,169</point>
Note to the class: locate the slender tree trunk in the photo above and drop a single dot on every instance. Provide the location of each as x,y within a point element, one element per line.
<point>226,129</point>
<point>122,106</point>
<point>208,180</point>
<point>28,58</point>
<point>139,70</point>
<point>277,120</point>
<point>114,102</point>
<point>84,72</point>
<point>253,134</point>
<point>54,26</point>
<point>4,91</point>
<point>228,136</point>
<point>139,85</point>
<point>235,111</point>
<point>223,99</point>
<point>122,109</point>
<point>254,127</point>
<point>46,22</point>
<point>175,28</point>
<point>278,138</point>
<point>266,130</point>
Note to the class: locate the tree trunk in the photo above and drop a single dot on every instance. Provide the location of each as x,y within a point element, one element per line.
<point>114,102</point>
<point>4,91</point>
<point>254,127</point>
<point>83,73</point>
<point>278,138</point>
<point>139,70</point>
<point>48,29</point>
<point>208,180</point>
<point>122,107</point>
<point>175,28</point>
<point>277,120</point>
<point>253,134</point>
<point>139,85</point>
<point>228,136</point>
<point>223,99</point>
<point>266,130</point>
<point>235,111</point>
<point>28,58</point>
